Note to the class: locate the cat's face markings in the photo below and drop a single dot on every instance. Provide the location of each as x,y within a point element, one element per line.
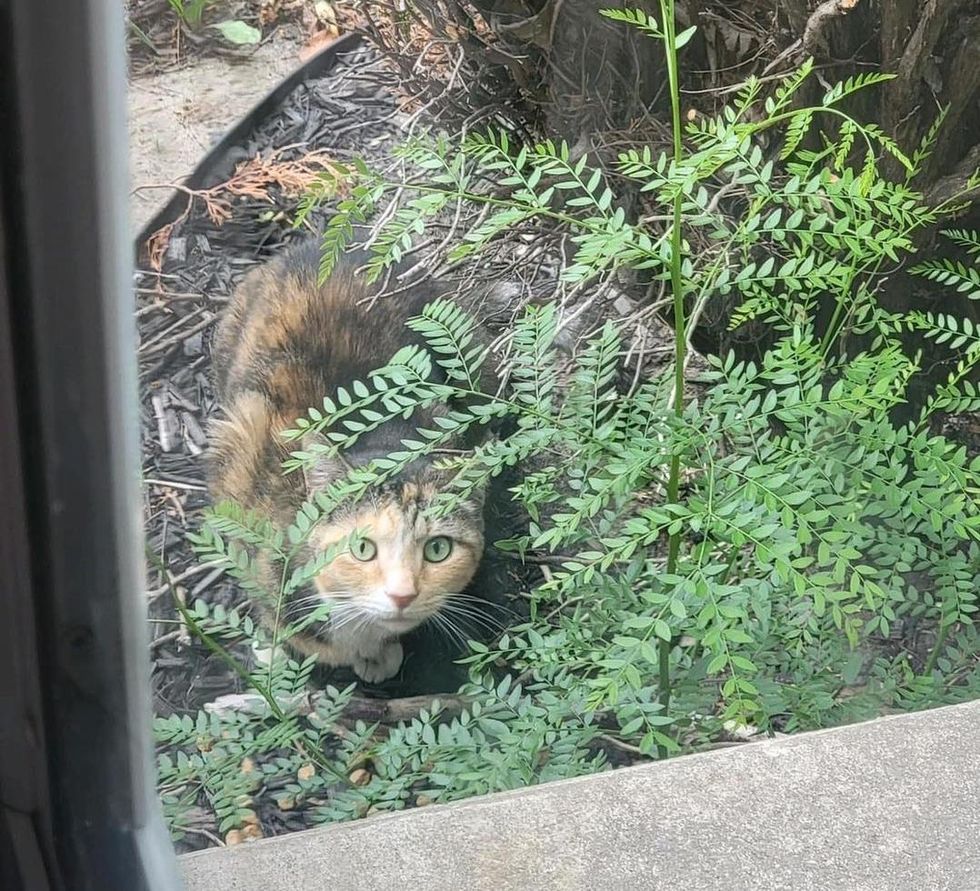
<point>408,564</point>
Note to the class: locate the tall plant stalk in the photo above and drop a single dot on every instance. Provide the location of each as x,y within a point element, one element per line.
<point>680,323</point>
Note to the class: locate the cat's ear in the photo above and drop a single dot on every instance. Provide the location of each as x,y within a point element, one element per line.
<point>478,494</point>
<point>324,469</point>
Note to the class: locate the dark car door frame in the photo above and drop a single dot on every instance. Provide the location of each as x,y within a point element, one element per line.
<point>76,789</point>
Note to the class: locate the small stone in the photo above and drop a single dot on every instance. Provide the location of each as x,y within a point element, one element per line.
<point>740,732</point>
<point>251,832</point>
<point>325,12</point>
<point>422,800</point>
<point>360,777</point>
<point>306,772</point>
<point>234,837</point>
<point>623,305</point>
<point>177,249</point>
<point>248,766</point>
<point>286,802</point>
<point>194,345</point>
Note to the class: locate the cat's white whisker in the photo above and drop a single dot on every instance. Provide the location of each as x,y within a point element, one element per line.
<point>476,616</point>
<point>482,601</point>
<point>345,618</point>
<point>442,622</point>
<point>446,630</point>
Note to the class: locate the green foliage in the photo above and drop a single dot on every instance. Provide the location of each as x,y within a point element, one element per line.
<point>743,558</point>
<point>959,393</point>
<point>809,517</point>
<point>812,526</point>
<point>963,279</point>
<point>227,759</point>
<point>235,31</point>
<point>508,738</point>
<point>280,744</point>
<point>189,12</point>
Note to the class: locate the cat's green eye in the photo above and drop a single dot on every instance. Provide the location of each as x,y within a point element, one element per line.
<point>364,550</point>
<point>437,549</point>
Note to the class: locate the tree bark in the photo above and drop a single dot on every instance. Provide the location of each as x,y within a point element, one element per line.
<point>585,75</point>
<point>932,50</point>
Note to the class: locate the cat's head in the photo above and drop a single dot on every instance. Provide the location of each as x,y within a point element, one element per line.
<point>406,562</point>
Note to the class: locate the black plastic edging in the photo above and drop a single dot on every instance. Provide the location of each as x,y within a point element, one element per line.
<point>208,171</point>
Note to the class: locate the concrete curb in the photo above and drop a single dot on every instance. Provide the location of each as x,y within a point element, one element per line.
<point>889,804</point>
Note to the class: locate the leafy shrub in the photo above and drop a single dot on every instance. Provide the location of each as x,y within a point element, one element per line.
<point>191,14</point>
<point>747,553</point>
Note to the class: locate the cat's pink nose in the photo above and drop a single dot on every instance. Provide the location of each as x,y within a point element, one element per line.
<point>401,599</point>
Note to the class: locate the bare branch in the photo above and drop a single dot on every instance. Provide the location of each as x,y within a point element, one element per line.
<point>815,40</point>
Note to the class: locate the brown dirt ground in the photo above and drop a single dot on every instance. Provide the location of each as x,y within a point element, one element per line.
<point>177,114</point>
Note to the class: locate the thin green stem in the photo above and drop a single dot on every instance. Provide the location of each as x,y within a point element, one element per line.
<point>280,601</point>
<point>937,648</point>
<point>229,660</point>
<point>680,328</point>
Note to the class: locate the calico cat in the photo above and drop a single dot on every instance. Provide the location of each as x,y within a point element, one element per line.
<point>283,343</point>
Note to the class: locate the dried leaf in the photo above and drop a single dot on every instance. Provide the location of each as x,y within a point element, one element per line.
<point>317,42</point>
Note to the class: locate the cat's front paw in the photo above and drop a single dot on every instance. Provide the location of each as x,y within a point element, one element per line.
<point>380,664</point>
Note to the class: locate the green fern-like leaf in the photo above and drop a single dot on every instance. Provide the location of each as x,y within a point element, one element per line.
<point>965,238</point>
<point>635,17</point>
<point>952,273</point>
<point>854,84</point>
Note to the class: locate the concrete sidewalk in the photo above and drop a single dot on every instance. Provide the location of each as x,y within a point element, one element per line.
<point>891,804</point>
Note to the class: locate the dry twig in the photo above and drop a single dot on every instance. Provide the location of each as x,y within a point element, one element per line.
<point>815,41</point>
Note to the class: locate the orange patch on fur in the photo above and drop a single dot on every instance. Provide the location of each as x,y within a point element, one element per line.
<point>399,553</point>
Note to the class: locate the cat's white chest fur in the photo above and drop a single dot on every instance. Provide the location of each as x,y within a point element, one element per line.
<point>369,649</point>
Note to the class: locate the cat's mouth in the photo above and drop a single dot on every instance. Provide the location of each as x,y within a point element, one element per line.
<point>389,625</point>
<point>400,624</point>
<point>348,615</point>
